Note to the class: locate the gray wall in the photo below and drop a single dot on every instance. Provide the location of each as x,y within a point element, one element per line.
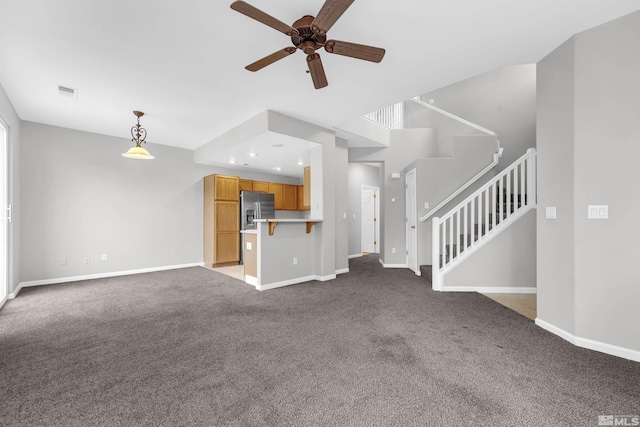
<point>12,120</point>
<point>438,178</point>
<point>592,81</point>
<point>81,198</point>
<point>502,100</point>
<point>395,158</point>
<point>359,174</point>
<point>505,261</point>
<point>555,238</point>
<point>342,205</point>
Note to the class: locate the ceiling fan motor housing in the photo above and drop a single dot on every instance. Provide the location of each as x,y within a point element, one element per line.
<point>307,40</point>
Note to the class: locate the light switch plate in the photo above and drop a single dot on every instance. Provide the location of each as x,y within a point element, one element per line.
<point>598,212</point>
<point>249,246</point>
<point>550,212</point>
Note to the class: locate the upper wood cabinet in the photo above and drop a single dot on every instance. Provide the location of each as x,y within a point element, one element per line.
<point>301,206</point>
<point>261,186</point>
<point>290,197</point>
<point>245,185</point>
<point>278,192</point>
<point>227,187</point>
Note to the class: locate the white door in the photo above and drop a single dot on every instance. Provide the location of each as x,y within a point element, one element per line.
<point>4,212</point>
<point>411,220</point>
<point>368,219</point>
<point>376,219</point>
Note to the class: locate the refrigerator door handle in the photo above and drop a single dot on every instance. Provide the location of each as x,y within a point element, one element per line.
<point>258,210</point>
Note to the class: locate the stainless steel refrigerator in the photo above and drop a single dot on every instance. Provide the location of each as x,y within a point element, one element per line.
<point>254,205</point>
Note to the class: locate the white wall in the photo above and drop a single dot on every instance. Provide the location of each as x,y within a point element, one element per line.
<point>12,120</point>
<point>588,150</point>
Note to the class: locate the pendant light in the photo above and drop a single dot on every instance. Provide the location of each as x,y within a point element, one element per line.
<point>139,135</point>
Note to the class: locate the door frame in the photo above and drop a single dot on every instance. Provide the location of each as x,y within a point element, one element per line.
<point>376,215</point>
<point>411,207</point>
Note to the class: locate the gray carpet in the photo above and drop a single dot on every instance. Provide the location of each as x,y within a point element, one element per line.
<point>375,347</point>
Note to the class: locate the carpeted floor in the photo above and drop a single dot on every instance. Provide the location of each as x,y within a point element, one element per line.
<point>376,347</point>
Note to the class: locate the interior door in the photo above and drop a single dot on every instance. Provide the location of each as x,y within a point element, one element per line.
<point>411,220</point>
<point>368,219</point>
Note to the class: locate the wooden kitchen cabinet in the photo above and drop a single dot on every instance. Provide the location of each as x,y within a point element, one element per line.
<point>226,187</point>
<point>306,197</point>
<point>278,192</point>
<point>261,186</point>
<point>221,220</point>
<point>290,197</point>
<point>245,185</point>
<point>301,206</point>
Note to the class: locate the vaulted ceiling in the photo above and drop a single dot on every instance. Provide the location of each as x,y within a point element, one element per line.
<point>182,62</point>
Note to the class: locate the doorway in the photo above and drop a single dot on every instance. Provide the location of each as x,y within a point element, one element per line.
<point>411,220</point>
<point>370,203</point>
<point>6,213</point>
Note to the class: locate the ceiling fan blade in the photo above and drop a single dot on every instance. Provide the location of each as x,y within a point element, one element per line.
<point>328,15</point>
<point>358,51</point>
<point>270,59</point>
<point>317,71</point>
<point>260,16</point>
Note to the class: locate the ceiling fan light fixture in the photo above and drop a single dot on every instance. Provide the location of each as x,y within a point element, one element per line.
<point>139,135</point>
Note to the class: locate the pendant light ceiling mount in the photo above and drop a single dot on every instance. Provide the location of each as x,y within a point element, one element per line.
<point>139,135</point>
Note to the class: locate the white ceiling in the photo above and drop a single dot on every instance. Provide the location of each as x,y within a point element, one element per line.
<point>182,62</point>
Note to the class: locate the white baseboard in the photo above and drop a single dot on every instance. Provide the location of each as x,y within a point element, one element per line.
<point>342,271</point>
<point>98,276</point>
<point>253,281</point>
<point>355,256</point>
<point>614,350</point>
<point>295,281</point>
<point>491,289</point>
<point>393,265</point>
<point>3,300</point>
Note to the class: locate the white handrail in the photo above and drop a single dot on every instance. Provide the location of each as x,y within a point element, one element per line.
<point>453,116</point>
<point>463,187</point>
<point>486,212</point>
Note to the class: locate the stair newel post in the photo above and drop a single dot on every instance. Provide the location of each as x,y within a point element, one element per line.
<point>531,177</point>
<point>435,254</point>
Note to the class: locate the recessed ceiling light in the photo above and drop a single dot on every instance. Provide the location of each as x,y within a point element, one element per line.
<point>300,163</point>
<point>278,145</point>
<point>278,168</point>
<point>253,154</point>
<point>232,161</point>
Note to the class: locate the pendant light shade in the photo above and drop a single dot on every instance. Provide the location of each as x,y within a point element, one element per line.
<point>139,135</point>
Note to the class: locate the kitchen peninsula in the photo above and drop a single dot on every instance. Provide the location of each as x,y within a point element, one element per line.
<point>280,252</point>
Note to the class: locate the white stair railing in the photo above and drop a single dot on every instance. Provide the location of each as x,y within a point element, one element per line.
<point>391,117</point>
<point>482,216</point>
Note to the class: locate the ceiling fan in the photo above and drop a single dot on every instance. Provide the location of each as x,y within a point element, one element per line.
<point>310,34</point>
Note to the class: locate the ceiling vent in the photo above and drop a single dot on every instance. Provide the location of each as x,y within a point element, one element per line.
<point>67,91</point>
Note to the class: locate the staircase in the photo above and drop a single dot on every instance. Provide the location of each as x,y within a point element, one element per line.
<point>480,217</point>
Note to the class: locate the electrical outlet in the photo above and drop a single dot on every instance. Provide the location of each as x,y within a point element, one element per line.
<point>63,261</point>
<point>295,260</point>
<point>87,260</point>
<point>426,205</point>
<point>104,257</point>
<point>393,250</point>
